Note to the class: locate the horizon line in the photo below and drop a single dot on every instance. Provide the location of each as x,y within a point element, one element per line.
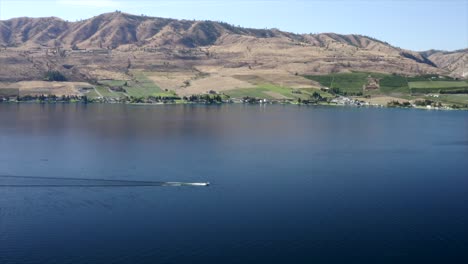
<point>218,21</point>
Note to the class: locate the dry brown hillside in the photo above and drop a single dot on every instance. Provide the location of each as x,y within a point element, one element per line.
<point>112,30</point>
<point>455,62</point>
<point>206,53</point>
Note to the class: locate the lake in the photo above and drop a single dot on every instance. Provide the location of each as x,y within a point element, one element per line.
<point>289,184</point>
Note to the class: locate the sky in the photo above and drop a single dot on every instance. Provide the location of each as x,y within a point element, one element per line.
<point>411,24</point>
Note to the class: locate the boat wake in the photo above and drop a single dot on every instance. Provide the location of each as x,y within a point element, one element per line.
<point>33,181</point>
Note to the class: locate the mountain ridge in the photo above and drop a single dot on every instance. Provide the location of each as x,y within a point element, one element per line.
<point>223,44</point>
<point>236,29</point>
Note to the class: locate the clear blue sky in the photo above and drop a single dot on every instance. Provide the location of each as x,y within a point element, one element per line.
<point>411,24</point>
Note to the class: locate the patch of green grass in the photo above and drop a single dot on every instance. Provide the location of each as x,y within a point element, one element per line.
<point>311,91</point>
<point>439,87</point>
<point>142,86</point>
<point>459,99</point>
<point>347,82</point>
<point>91,94</point>
<point>393,90</point>
<point>106,92</point>
<point>139,86</point>
<point>113,82</point>
<point>325,80</point>
<point>396,81</point>
<point>352,83</point>
<point>394,84</point>
<point>438,84</point>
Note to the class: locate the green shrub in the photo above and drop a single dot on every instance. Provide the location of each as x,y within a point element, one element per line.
<point>54,76</point>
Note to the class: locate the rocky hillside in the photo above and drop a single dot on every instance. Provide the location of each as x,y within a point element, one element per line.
<point>223,44</point>
<point>112,30</point>
<point>455,62</point>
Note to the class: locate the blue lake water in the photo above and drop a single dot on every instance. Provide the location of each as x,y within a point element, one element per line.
<point>289,184</point>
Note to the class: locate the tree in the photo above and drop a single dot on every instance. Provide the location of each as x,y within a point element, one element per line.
<point>54,76</point>
<point>316,96</point>
<point>218,98</point>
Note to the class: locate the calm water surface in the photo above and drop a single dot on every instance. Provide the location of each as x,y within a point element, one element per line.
<point>289,184</point>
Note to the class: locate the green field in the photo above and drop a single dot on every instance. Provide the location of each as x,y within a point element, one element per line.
<point>425,87</point>
<point>106,92</point>
<point>391,84</point>
<point>92,94</point>
<point>142,86</point>
<point>398,86</point>
<point>311,91</point>
<point>351,83</point>
<point>458,99</point>
<point>139,86</point>
<point>113,82</point>
<point>438,84</point>
<point>394,85</point>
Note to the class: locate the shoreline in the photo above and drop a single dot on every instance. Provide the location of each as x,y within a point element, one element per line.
<point>231,102</point>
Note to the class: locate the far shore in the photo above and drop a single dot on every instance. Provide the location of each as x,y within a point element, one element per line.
<point>337,102</point>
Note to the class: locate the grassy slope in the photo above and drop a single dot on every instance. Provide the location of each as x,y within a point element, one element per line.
<point>438,84</point>
<point>425,87</point>
<point>140,86</point>
<point>390,85</point>
<point>346,82</point>
<point>452,99</point>
<point>92,94</point>
<point>106,92</point>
